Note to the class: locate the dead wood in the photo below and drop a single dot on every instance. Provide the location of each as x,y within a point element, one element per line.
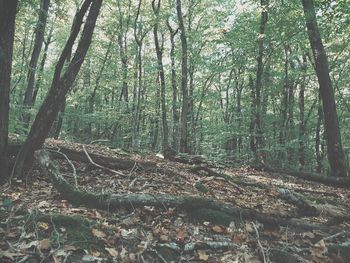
<point>305,206</point>
<point>315,177</point>
<point>112,163</point>
<point>187,203</point>
<point>100,166</point>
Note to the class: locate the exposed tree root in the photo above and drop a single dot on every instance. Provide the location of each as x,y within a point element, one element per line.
<point>106,162</point>
<point>187,203</point>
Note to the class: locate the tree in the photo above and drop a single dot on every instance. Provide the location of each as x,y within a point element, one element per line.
<point>159,51</point>
<point>184,85</point>
<point>8,9</point>
<point>335,151</point>
<point>60,86</point>
<point>38,42</point>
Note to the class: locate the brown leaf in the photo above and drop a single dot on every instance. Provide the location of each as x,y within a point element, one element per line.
<point>112,251</point>
<point>181,234</point>
<point>218,229</point>
<point>98,233</point>
<point>202,255</point>
<point>44,244</point>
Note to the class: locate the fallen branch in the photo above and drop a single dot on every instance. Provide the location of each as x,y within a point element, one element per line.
<point>100,166</point>
<point>315,177</point>
<point>77,155</point>
<point>187,203</point>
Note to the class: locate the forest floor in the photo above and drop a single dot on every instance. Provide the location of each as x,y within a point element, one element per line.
<point>37,224</point>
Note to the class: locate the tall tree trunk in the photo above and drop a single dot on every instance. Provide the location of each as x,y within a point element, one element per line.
<point>335,151</point>
<point>38,42</point>
<point>8,10</point>
<point>60,86</point>
<point>258,85</point>
<point>175,109</point>
<point>159,51</point>
<point>184,147</point>
<point>302,125</point>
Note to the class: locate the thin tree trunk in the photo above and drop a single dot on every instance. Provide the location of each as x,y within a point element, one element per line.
<point>8,9</point>
<point>175,108</point>
<point>42,66</point>
<point>159,51</point>
<point>259,85</point>
<point>302,125</point>
<point>61,84</point>
<point>184,147</point>
<point>335,151</point>
<point>38,42</point>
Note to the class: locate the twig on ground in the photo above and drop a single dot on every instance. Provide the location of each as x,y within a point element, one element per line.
<point>259,243</point>
<point>70,163</point>
<point>100,166</point>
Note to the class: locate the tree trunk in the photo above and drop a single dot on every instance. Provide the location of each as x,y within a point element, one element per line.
<point>302,125</point>
<point>335,151</point>
<point>42,65</point>
<point>175,109</point>
<point>159,51</point>
<point>60,86</point>
<point>184,147</point>
<point>258,85</point>
<point>38,42</point>
<point>8,9</point>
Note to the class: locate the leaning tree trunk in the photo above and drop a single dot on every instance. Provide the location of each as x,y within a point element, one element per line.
<point>8,10</point>
<point>60,86</point>
<point>335,151</point>
<point>38,42</point>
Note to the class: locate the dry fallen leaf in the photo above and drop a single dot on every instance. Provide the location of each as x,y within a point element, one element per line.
<point>98,233</point>
<point>44,244</point>
<point>202,255</point>
<point>43,226</point>
<point>181,234</point>
<point>112,251</point>
<point>218,229</point>
<point>319,249</point>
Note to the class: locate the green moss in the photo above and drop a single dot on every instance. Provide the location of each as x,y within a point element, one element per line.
<point>213,216</point>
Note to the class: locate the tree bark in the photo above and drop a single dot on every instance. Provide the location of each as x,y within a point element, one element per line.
<point>159,51</point>
<point>60,86</point>
<point>335,151</point>
<point>258,85</point>
<point>184,147</point>
<point>175,109</point>
<point>8,9</point>
<point>38,42</point>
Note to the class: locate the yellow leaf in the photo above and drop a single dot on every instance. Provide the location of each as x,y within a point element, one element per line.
<point>112,251</point>
<point>98,233</point>
<point>202,255</point>
<point>43,226</point>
